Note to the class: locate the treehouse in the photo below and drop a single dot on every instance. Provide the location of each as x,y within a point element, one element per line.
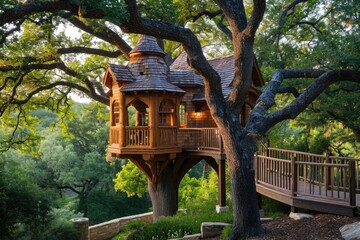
<point>159,113</point>
<point>168,103</point>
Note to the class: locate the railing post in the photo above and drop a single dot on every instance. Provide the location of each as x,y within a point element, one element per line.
<point>267,145</point>
<point>256,166</point>
<point>328,172</point>
<point>293,176</point>
<point>352,187</point>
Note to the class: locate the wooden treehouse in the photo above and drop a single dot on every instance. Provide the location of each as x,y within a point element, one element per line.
<point>172,122</point>
<point>160,120</point>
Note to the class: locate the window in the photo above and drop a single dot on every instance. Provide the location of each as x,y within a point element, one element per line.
<point>138,113</point>
<point>116,113</point>
<point>166,113</point>
<point>182,114</point>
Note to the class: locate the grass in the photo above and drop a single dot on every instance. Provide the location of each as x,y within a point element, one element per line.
<point>184,223</point>
<point>189,222</point>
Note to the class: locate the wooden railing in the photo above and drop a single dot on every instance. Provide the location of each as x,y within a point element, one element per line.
<point>137,135</point>
<point>167,136</point>
<point>200,138</point>
<point>306,174</point>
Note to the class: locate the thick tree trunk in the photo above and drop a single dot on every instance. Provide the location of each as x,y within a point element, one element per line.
<point>165,198</point>
<point>240,150</point>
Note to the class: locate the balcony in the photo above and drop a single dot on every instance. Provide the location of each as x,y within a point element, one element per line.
<point>167,139</point>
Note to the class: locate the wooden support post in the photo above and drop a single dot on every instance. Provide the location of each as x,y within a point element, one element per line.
<point>267,145</point>
<point>256,167</point>
<point>352,187</point>
<point>328,171</point>
<point>221,184</point>
<point>123,120</point>
<point>294,176</point>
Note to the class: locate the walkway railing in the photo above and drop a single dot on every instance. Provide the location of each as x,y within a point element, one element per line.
<point>312,175</point>
<point>200,138</point>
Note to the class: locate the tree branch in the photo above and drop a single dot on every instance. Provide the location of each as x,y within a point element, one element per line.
<point>312,24</point>
<point>196,58</point>
<point>101,32</point>
<point>87,50</point>
<point>206,13</point>
<point>285,13</point>
<point>291,90</point>
<point>260,122</point>
<point>14,13</point>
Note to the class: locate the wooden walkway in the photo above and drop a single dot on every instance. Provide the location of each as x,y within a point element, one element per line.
<point>302,180</point>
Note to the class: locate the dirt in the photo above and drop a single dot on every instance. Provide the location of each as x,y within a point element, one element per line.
<point>321,227</point>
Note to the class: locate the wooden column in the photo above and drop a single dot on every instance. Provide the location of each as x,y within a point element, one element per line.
<point>154,120</point>
<point>352,187</point>
<point>221,184</point>
<point>122,119</point>
<point>293,176</point>
<point>328,171</point>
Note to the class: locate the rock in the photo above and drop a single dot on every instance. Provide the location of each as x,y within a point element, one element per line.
<point>350,231</point>
<point>264,220</point>
<point>262,213</point>
<point>299,216</point>
<point>192,237</point>
<point>212,229</point>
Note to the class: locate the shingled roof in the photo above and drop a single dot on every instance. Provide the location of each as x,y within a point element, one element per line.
<point>147,70</point>
<point>151,84</point>
<point>121,72</point>
<point>223,65</point>
<point>147,45</point>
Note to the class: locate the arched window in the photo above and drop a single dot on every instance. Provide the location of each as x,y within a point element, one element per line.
<point>138,113</point>
<point>115,113</point>
<point>166,113</point>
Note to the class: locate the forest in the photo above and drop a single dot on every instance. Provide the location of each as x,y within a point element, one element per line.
<point>54,53</point>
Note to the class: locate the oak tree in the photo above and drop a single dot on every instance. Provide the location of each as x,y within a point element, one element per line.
<point>48,64</point>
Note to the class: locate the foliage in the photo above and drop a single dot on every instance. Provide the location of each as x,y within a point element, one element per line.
<point>273,208</point>
<point>196,191</point>
<point>107,205</point>
<point>26,209</point>
<point>130,180</point>
<point>320,34</point>
<point>225,234</point>
<point>187,222</point>
<point>75,159</point>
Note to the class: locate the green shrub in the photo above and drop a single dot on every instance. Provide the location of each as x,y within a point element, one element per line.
<point>184,223</point>
<point>273,208</point>
<point>60,229</point>
<point>225,234</point>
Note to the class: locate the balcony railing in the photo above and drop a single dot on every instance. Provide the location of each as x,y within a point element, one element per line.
<point>137,135</point>
<point>200,138</point>
<point>188,138</point>
<point>114,135</point>
<point>167,136</point>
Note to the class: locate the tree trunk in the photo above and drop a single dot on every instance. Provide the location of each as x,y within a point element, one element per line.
<point>83,205</point>
<point>240,150</point>
<point>165,198</point>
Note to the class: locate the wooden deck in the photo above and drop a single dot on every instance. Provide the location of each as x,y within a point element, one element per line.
<point>316,182</point>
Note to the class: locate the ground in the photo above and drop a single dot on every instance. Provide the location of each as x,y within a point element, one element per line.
<point>321,227</point>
